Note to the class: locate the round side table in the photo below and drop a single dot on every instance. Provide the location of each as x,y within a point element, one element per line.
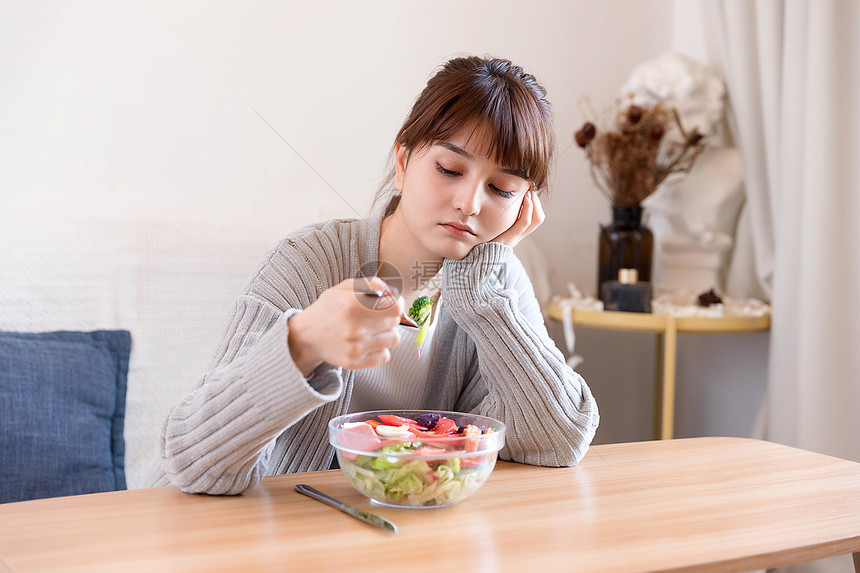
<point>667,328</point>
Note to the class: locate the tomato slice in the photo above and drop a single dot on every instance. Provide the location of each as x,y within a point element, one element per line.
<point>445,426</point>
<point>392,420</point>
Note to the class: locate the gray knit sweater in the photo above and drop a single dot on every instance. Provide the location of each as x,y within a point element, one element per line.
<point>254,414</point>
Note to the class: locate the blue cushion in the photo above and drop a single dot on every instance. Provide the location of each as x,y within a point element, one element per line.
<point>62,411</point>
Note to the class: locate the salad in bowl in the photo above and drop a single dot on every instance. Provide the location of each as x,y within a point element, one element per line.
<point>416,458</point>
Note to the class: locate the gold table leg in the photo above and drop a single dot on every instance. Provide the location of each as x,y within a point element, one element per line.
<point>670,346</point>
<point>658,387</point>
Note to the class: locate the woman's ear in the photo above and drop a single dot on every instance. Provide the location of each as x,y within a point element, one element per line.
<point>401,157</point>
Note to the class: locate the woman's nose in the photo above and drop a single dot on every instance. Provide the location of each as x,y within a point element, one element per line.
<point>468,199</point>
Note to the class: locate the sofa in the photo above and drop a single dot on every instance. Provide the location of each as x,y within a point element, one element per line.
<point>86,285</point>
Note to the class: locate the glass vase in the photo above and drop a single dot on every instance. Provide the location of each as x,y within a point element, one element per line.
<point>624,244</point>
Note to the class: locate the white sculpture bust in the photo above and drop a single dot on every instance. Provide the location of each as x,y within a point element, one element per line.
<point>694,217</point>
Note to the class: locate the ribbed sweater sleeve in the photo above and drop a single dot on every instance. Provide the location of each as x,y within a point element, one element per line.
<point>250,412</point>
<point>522,377</point>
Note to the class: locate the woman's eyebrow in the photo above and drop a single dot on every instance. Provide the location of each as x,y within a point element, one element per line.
<point>456,149</point>
<point>460,151</point>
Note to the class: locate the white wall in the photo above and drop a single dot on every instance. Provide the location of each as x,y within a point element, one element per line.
<point>150,108</point>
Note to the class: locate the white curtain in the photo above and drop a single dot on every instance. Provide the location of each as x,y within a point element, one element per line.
<point>792,69</point>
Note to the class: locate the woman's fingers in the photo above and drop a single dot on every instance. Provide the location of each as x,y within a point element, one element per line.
<point>369,328</point>
<point>375,350</point>
<point>538,215</point>
<point>370,359</point>
<point>530,217</point>
<point>526,213</point>
<point>375,294</point>
<point>349,325</point>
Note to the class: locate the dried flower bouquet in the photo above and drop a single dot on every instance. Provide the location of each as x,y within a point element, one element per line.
<point>632,155</point>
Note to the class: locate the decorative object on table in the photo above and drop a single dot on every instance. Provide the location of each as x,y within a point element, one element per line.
<point>626,294</point>
<point>629,156</point>
<point>709,298</point>
<point>679,303</point>
<point>694,218</point>
<point>685,303</point>
<point>624,244</point>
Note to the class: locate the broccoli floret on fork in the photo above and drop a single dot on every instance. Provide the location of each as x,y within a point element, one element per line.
<point>420,310</point>
<point>420,313</point>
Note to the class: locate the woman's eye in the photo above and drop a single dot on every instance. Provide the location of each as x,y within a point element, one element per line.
<point>505,194</point>
<point>451,173</point>
<point>447,172</point>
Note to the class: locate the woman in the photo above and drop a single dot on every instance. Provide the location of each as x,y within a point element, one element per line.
<point>303,344</point>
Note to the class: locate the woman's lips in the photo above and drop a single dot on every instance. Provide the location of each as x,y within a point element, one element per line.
<point>458,229</point>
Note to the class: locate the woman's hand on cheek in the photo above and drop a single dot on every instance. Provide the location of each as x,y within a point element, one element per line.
<point>346,328</point>
<point>530,217</point>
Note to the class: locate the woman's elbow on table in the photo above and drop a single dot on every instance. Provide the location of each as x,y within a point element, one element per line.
<point>583,429</point>
<point>214,472</point>
<point>563,444</point>
<point>211,481</point>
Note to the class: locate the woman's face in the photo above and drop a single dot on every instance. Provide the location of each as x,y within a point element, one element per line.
<point>454,197</point>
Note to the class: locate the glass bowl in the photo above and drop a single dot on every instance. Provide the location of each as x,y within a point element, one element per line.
<point>416,458</point>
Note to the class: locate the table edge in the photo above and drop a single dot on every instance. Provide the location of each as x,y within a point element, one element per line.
<point>646,322</point>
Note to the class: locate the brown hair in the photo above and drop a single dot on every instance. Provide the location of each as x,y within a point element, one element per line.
<point>491,96</point>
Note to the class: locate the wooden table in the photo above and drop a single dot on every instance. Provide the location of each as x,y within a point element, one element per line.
<point>702,504</point>
<point>667,328</point>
